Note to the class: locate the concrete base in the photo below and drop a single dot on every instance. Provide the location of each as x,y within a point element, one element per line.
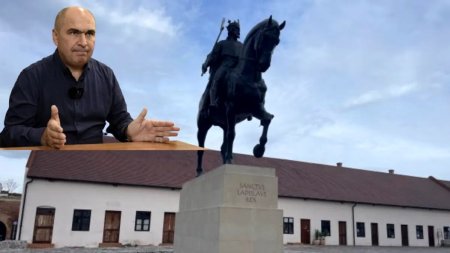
<point>232,209</point>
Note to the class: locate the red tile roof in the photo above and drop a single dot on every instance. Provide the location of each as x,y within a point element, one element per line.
<point>296,179</point>
<point>446,183</point>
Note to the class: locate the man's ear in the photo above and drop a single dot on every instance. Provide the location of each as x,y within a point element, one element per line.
<point>55,37</point>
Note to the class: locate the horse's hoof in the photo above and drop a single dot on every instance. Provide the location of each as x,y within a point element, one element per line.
<point>258,150</point>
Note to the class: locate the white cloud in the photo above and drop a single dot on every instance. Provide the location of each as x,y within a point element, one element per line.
<point>365,140</point>
<point>374,96</point>
<point>156,20</point>
<point>129,15</point>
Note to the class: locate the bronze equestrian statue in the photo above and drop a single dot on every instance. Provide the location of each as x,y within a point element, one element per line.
<point>236,90</point>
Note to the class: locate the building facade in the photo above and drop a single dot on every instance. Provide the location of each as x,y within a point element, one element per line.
<point>76,214</point>
<point>364,225</point>
<point>131,198</point>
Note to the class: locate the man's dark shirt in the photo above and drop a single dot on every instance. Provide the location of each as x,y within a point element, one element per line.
<point>46,83</point>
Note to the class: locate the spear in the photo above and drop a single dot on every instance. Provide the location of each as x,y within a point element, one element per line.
<point>218,36</point>
<point>221,29</point>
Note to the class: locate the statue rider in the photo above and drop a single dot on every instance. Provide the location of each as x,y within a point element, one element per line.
<point>223,58</point>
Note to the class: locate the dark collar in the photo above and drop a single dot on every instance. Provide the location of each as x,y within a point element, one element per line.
<point>64,68</point>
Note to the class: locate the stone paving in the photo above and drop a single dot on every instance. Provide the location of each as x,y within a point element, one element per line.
<point>361,249</point>
<point>287,249</point>
<point>140,249</point>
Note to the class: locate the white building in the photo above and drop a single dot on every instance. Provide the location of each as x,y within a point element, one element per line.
<point>82,198</point>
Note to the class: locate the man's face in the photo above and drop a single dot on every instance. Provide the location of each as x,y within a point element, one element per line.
<point>75,38</point>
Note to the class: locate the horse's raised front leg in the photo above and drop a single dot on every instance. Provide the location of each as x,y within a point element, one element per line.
<point>266,118</point>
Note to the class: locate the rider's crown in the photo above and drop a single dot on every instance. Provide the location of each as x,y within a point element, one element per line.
<point>234,24</point>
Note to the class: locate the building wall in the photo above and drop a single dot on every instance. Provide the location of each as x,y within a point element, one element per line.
<point>401,216</point>
<point>382,215</point>
<point>316,211</point>
<point>9,213</point>
<point>67,196</point>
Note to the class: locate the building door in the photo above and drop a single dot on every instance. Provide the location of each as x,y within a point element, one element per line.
<point>168,228</point>
<point>43,225</point>
<point>431,236</point>
<point>305,236</point>
<point>2,231</point>
<point>405,239</point>
<point>342,233</point>
<point>374,230</point>
<point>111,229</point>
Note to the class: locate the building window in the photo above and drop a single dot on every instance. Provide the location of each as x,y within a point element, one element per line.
<point>288,225</point>
<point>142,221</point>
<point>360,229</point>
<point>325,227</point>
<point>419,232</point>
<point>81,220</point>
<point>390,230</point>
<point>446,233</point>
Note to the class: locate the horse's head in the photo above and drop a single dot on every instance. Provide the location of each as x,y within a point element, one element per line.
<point>266,39</point>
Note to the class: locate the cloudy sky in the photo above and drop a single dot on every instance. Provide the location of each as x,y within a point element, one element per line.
<point>366,83</point>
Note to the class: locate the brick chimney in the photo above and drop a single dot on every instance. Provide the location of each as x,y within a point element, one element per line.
<point>391,171</point>
<point>339,164</point>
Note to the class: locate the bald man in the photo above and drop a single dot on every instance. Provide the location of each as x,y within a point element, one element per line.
<point>67,97</point>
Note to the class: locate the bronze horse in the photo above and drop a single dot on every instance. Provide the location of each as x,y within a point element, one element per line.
<point>241,93</point>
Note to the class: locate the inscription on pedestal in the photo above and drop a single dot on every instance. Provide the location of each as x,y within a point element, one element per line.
<point>232,209</point>
<point>251,192</point>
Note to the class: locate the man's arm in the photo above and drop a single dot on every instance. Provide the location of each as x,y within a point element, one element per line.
<point>142,129</point>
<point>124,128</point>
<point>20,119</point>
<point>118,116</point>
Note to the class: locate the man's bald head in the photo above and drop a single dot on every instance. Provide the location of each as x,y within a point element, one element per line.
<point>59,20</point>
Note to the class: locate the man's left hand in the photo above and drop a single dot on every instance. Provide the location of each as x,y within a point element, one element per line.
<point>142,129</point>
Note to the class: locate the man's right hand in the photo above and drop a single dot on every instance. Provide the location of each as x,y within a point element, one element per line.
<point>53,135</point>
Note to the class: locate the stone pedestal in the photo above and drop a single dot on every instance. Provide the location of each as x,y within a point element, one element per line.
<point>232,209</point>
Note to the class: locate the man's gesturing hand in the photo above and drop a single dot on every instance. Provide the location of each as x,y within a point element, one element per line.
<point>142,129</point>
<point>53,135</point>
